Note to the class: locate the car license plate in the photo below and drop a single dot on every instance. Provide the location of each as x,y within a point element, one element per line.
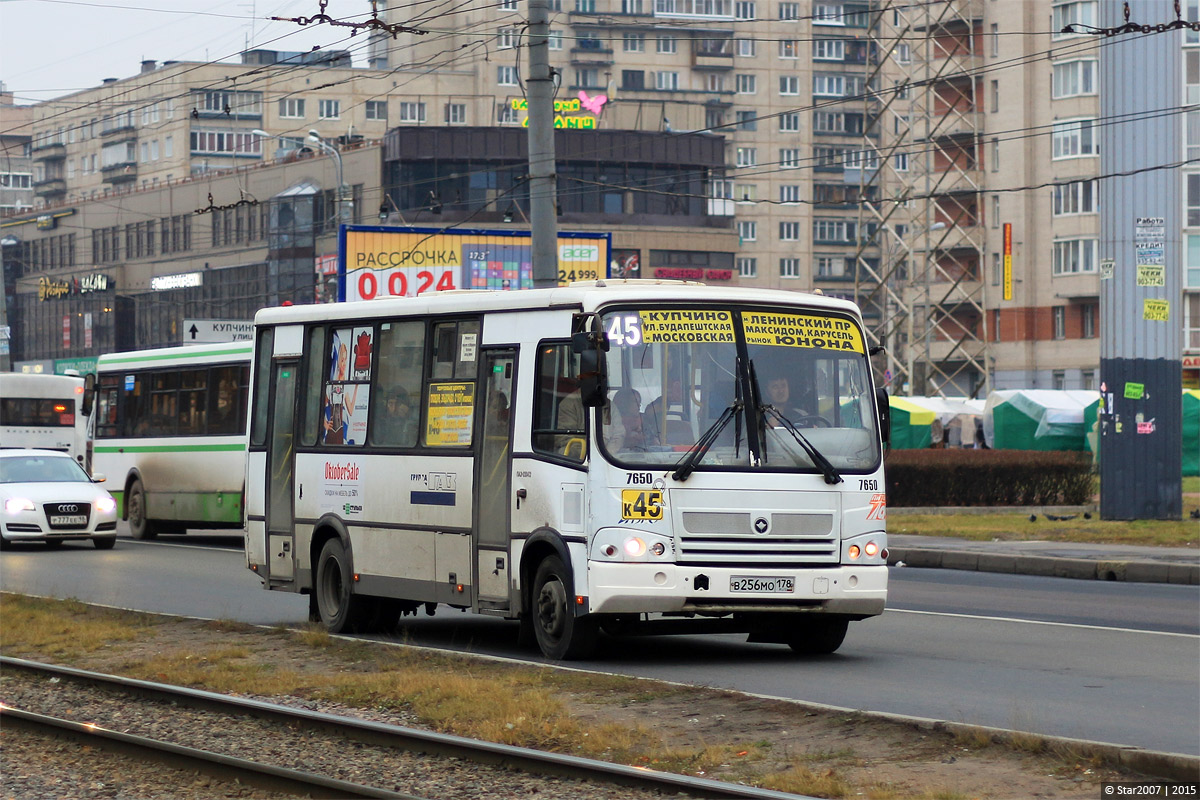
<point>75,519</point>
<point>739,583</point>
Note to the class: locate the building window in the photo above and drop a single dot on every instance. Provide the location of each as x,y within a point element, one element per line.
<point>1059,314</point>
<point>456,113</point>
<point>747,156</point>
<point>789,194</point>
<point>714,82</point>
<point>789,48</point>
<point>668,44</point>
<point>291,108</point>
<point>789,232</point>
<point>666,81</point>
<point>1075,138</point>
<point>1073,78</point>
<point>997,269</point>
<point>635,43</point>
<point>587,78</point>
<point>1081,12</point>
<point>1192,180</point>
<point>747,48</point>
<point>633,79</point>
<point>995,96</point>
<point>829,122</point>
<point>789,268</point>
<point>903,53</point>
<point>1058,377</point>
<point>900,162</point>
<point>507,115</point>
<point>508,5</point>
<point>1088,319</point>
<point>376,109</point>
<point>412,113</point>
<point>828,14</point>
<point>747,267</point>
<point>744,9</point>
<point>996,325</point>
<point>747,84</point>
<point>828,85</point>
<point>1074,256</point>
<point>995,37</point>
<point>747,120</point>
<point>506,75</point>
<point>995,155</point>
<point>745,192</point>
<point>789,158</point>
<point>555,40</point>
<point>632,7</point>
<point>789,122</point>
<point>747,230</point>
<point>1088,380</point>
<point>829,267</point>
<point>1075,198</point>
<point>506,39</point>
<point>833,230</point>
<point>789,84</point>
<point>585,6</point>
<point>789,11</point>
<point>829,50</point>
<point>329,109</point>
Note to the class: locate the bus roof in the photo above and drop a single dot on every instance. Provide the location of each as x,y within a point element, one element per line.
<point>15,383</point>
<point>583,296</point>
<point>176,356</point>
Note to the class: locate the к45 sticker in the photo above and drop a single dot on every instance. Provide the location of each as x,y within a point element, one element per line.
<point>642,504</point>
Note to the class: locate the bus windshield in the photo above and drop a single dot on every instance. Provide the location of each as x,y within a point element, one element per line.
<point>741,386</point>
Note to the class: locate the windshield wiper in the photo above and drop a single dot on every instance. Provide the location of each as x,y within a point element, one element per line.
<point>822,463</point>
<point>687,464</point>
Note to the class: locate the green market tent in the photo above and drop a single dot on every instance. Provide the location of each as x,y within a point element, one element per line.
<point>1191,431</point>
<point>910,424</point>
<point>1037,419</point>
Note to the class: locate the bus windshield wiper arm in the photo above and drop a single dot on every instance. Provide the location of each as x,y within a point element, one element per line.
<point>687,464</point>
<point>821,462</point>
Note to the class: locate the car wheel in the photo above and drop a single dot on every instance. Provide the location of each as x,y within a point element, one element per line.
<point>817,637</point>
<point>340,609</point>
<point>560,633</point>
<point>105,542</point>
<point>4,543</point>
<point>135,505</point>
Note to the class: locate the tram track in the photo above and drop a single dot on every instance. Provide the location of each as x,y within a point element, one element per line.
<point>364,758</point>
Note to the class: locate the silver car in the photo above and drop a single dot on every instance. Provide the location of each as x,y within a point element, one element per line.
<point>47,497</point>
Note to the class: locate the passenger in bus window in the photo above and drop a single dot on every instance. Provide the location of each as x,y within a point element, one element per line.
<point>398,425</point>
<point>225,416</point>
<point>665,418</point>
<point>625,431</point>
<point>779,394</point>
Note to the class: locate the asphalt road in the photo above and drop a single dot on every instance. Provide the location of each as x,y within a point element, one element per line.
<point>1112,662</point>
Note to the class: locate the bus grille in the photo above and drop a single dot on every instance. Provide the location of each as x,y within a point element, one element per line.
<point>729,538</point>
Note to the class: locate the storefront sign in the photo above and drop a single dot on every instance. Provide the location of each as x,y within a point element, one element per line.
<point>93,282</point>
<point>185,280</point>
<point>693,274</point>
<point>566,112</point>
<point>48,289</point>
<point>46,222</point>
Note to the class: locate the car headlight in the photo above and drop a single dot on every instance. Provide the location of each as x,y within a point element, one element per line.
<point>106,504</point>
<point>15,505</point>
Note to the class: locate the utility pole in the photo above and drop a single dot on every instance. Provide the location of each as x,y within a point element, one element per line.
<point>543,203</point>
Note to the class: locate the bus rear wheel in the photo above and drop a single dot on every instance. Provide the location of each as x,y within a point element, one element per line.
<point>560,634</point>
<point>339,608</point>
<point>140,527</point>
<point>817,637</point>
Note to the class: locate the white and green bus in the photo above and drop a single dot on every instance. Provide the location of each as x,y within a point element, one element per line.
<point>170,435</point>
<point>623,457</point>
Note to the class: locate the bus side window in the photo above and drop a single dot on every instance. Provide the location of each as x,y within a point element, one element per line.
<point>560,422</point>
<point>316,369</point>
<point>224,389</point>
<point>396,393</point>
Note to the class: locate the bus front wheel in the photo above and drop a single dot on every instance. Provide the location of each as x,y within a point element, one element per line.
<point>816,637</point>
<point>140,527</point>
<point>340,609</point>
<point>560,633</point>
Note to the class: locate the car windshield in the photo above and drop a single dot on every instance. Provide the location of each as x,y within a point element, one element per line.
<point>724,380</point>
<point>40,469</point>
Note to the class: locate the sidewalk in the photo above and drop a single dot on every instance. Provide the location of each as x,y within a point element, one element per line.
<point>1106,562</point>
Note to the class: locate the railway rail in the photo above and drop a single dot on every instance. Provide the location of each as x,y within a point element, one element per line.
<point>366,742</point>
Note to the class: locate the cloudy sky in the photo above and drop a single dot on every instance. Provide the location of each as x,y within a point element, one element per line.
<point>52,47</point>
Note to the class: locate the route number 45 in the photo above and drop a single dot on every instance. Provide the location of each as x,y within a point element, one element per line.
<point>641,504</point>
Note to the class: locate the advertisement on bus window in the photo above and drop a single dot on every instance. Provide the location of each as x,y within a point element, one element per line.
<point>382,261</point>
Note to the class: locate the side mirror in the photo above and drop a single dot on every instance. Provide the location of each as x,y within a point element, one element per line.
<point>589,341</point>
<point>89,393</point>
<point>885,416</point>
<point>99,477</point>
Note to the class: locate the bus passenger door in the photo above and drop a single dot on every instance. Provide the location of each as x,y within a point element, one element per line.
<point>493,477</point>
<point>281,452</point>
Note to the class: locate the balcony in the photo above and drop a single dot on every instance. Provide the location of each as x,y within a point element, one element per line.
<point>50,187</point>
<point>54,151</point>
<point>118,128</point>
<point>123,172</point>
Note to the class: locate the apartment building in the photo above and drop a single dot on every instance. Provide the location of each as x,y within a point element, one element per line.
<point>16,168</point>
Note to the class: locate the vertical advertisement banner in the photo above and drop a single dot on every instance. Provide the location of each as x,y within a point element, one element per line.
<point>1008,276</point>
<point>378,261</point>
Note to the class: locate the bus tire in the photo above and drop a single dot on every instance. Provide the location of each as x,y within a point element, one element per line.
<point>140,527</point>
<point>341,610</point>
<point>561,634</point>
<point>817,637</point>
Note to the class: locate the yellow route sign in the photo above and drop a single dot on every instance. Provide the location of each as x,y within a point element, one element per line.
<point>802,330</point>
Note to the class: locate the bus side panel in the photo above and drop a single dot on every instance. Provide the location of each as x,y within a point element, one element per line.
<point>116,467</point>
<point>256,493</point>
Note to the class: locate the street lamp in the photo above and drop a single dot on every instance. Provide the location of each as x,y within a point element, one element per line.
<point>316,139</point>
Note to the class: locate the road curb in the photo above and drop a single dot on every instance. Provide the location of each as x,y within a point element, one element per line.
<point>1047,566</point>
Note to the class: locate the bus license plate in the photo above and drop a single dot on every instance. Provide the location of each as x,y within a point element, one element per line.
<point>79,519</point>
<point>768,585</point>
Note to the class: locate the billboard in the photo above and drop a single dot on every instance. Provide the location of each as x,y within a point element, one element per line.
<point>383,261</point>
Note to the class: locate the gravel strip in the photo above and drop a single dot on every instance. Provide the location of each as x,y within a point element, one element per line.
<point>36,768</point>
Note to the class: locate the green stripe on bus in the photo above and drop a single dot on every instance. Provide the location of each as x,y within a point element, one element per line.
<point>171,448</point>
<point>241,351</point>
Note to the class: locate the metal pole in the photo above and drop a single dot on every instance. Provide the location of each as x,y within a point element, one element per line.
<point>543,204</point>
<point>5,332</point>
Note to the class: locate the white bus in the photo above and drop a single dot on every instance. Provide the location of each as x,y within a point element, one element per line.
<point>50,412</point>
<point>171,435</point>
<point>625,456</point>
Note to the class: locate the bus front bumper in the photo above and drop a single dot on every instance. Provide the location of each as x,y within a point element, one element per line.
<point>656,588</point>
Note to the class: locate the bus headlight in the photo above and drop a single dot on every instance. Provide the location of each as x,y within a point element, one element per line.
<point>15,505</point>
<point>623,545</point>
<point>865,549</point>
